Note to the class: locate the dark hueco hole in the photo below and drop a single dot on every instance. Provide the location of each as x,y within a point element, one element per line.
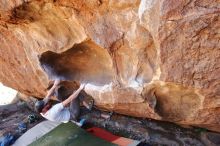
<point>85,62</point>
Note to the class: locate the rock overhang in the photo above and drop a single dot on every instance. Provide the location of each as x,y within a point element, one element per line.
<point>161,71</point>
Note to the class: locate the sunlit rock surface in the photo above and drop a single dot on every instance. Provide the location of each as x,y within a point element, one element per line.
<point>151,58</point>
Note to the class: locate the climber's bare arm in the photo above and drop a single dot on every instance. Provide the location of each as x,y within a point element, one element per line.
<point>51,91</point>
<point>73,96</point>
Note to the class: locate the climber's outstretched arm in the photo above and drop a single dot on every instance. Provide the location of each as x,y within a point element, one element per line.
<point>73,96</point>
<point>51,91</point>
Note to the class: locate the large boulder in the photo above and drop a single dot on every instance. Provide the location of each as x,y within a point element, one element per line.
<point>158,59</point>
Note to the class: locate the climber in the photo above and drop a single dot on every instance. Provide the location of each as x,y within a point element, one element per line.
<point>60,112</point>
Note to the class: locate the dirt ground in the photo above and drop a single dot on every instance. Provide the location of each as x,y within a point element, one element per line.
<point>152,132</point>
<point>146,130</point>
<point>13,114</point>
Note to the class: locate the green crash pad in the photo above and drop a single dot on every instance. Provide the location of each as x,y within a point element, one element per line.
<point>69,134</point>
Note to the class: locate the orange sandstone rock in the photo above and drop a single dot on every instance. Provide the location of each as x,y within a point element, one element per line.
<point>151,58</point>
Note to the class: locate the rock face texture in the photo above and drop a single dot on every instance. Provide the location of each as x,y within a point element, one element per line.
<point>158,59</point>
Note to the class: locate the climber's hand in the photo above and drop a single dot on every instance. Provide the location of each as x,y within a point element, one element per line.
<point>82,86</point>
<point>56,82</point>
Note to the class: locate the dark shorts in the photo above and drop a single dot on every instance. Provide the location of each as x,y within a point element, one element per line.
<point>75,107</point>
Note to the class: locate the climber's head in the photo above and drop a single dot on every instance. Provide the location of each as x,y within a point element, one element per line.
<point>39,105</point>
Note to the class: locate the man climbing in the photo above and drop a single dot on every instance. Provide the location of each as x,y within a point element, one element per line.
<point>60,112</point>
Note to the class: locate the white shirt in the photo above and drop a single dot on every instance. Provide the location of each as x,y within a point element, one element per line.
<point>57,113</point>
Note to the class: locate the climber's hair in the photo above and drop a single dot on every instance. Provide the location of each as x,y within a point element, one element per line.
<point>39,105</point>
